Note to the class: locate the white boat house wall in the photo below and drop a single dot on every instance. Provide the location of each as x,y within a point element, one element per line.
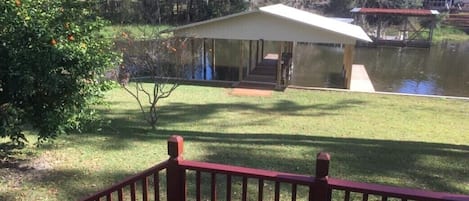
<point>259,46</point>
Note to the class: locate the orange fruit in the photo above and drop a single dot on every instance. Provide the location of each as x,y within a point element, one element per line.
<point>70,37</point>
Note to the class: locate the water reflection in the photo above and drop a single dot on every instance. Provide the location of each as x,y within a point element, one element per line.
<point>317,65</point>
<point>441,70</point>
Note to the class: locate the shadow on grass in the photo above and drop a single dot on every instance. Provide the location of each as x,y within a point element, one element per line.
<point>70,184</point>
<point>132,120</point>
<point>378,161</point>
<point>435,166</point>
<point>130,123</point>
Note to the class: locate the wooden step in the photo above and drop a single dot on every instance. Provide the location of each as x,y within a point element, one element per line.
<point>256,85</point>
<point>261,78</point>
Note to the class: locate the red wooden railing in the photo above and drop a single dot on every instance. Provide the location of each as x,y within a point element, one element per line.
<point>146,185</point>
<point>130,184</point>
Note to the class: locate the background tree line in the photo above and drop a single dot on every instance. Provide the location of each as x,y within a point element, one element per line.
<point>168,11</point>
<point>177,12</point>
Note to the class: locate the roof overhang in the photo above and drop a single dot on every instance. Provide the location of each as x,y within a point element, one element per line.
<point>392,11</point>
<point>276,23</point>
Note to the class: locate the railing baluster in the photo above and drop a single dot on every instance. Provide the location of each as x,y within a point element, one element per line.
<point>145,189</point>
<point>132,192</point>
<point>384,198</point>
<point>156,187</point>
<point>277,191</point>
<point>197,186</point>
<point>228,187</point>
<point>293,192</point>
<point>214,187</point>
<point>365,197</point>
<point>245,189</point>
<point>109,197</point>
<point>120,194</point>
<point>347,196</point>
<point>261,190</point>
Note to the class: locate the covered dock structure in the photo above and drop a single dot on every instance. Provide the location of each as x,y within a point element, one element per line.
<point>277,25</point>
<point>397,27</point>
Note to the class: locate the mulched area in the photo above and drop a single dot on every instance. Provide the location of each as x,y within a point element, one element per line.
<point>252,89</point>
<point>250,92</point>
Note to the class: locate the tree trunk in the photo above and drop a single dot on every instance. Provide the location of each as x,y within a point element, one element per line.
<point>188,11</point>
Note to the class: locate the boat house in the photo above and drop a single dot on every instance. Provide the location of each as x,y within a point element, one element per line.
<point>397,27</point>
<point>262,42</point>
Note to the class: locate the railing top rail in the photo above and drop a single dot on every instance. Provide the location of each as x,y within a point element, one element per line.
<point>391,191</point>
<point>128,180</point>
<point>247,172</point>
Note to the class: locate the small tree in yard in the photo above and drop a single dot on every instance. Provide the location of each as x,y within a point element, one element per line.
<point>150,61</point>
<point>52,59</point>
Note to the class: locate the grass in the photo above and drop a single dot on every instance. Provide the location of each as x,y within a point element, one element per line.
<point>443,33</point>
<point>406,141</point>
<point>137,32</point>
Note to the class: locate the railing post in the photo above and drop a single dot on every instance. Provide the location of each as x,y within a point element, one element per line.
<point>175,175</point>
<point>319,190</point>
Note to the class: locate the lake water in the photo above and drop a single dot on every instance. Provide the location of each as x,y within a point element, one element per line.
<point>442,69</point>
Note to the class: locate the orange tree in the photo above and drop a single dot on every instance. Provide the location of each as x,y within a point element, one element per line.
<point>52,59</point>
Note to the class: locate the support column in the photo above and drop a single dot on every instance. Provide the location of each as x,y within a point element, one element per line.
<point>432,27</point>
<point>250,57</point>
<point>204,59</point>
<point>257,52</point>
<point>292,67</point>
<point>192,58</point>
<point>348,61</point>
<point>213,58</point>
<point>262,50</point>
<point>279,65</point>
<point>404,35</point>
<point>241,58</point>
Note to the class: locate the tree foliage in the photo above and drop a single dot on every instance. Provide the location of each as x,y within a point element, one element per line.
<point>168,11</point>
<point>51,63</point>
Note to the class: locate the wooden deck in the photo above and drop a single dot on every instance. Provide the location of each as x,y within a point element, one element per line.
<point>360,80</point>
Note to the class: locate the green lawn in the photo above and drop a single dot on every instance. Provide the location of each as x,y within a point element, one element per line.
<point>444,32</point>
<point>397,140</point>
<point>136,32</point>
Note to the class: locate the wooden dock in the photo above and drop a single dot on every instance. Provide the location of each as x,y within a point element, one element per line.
<point>265,71</point>
<point>359,79</point>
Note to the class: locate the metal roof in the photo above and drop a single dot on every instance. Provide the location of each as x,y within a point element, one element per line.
<point>389,11</point>
<point>278,23</point>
